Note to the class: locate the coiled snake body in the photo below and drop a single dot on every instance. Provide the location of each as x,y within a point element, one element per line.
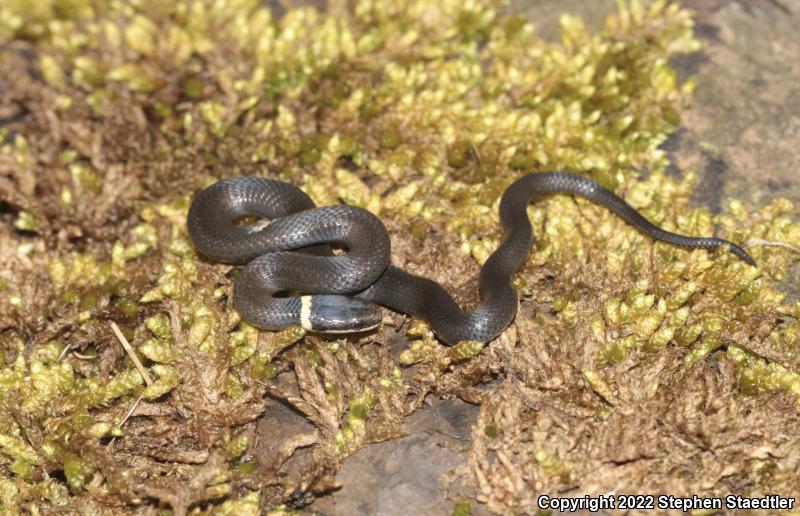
<point>340,292</point>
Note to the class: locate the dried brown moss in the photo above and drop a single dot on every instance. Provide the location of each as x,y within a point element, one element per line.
<point>423,112</point>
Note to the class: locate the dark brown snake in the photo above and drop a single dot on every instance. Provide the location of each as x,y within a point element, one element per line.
<point>340,292</point>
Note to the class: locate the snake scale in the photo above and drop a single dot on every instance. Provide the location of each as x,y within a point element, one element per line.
<point>340,292</point>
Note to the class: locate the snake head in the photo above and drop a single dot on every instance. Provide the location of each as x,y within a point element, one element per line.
<point>338,314</point>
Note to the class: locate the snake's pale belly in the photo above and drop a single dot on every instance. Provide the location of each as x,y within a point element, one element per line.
<point>340,292</point>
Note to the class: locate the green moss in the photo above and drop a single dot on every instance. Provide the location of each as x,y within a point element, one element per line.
<point>121,384</point>
<point>552,466</point>
<point>237,447</point>
<point>18,450</point>
<point>349,436</point>
<point>757,375</point>
<point>314,357</point>
<point>26,221</point>
<point>77,470</point>
<point>465,350</point>
<point>424,127</point>
<point>158,350</point>
<point>462,508</point>
<point>245,505</point>
<point>168,379</point>
<point>193,88</point>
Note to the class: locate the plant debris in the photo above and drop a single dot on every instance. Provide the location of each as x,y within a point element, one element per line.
<point>632,366</point>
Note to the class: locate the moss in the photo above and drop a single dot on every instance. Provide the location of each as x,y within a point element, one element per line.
<point>237,447</point>
<point>121,384</point>
<point>423,113</point>
<point>598,385</point>
<point>462,508</point>
<point>18,450</point>
<point>757,375</point>
<point>168,378</point>
<point>354,428</point>
<point>246,505</point>
<point>77,471</point>
<point>552,466</point>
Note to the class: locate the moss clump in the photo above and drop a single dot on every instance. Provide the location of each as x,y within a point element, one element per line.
<point>423,112</point>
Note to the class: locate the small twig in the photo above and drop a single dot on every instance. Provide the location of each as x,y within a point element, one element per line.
<point>64,352</point>
<point>125,418</point>
<point>84,357</point>
<point>138,363</point>
<point>475,151</point>
<point>770,243</point>
<point>131,353</point>
<point>130,411</point>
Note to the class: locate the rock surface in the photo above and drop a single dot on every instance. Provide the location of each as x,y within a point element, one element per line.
<point>402,476</point>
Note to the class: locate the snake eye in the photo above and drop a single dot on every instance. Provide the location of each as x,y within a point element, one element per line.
<point>338,314</point>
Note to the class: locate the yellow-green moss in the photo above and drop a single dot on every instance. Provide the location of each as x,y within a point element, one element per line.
<point>424,112</point>
<point>551,465</point>
<point>757,375</point>
<point>246,505</point>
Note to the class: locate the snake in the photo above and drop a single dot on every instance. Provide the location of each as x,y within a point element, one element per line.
<point>328,269</point>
